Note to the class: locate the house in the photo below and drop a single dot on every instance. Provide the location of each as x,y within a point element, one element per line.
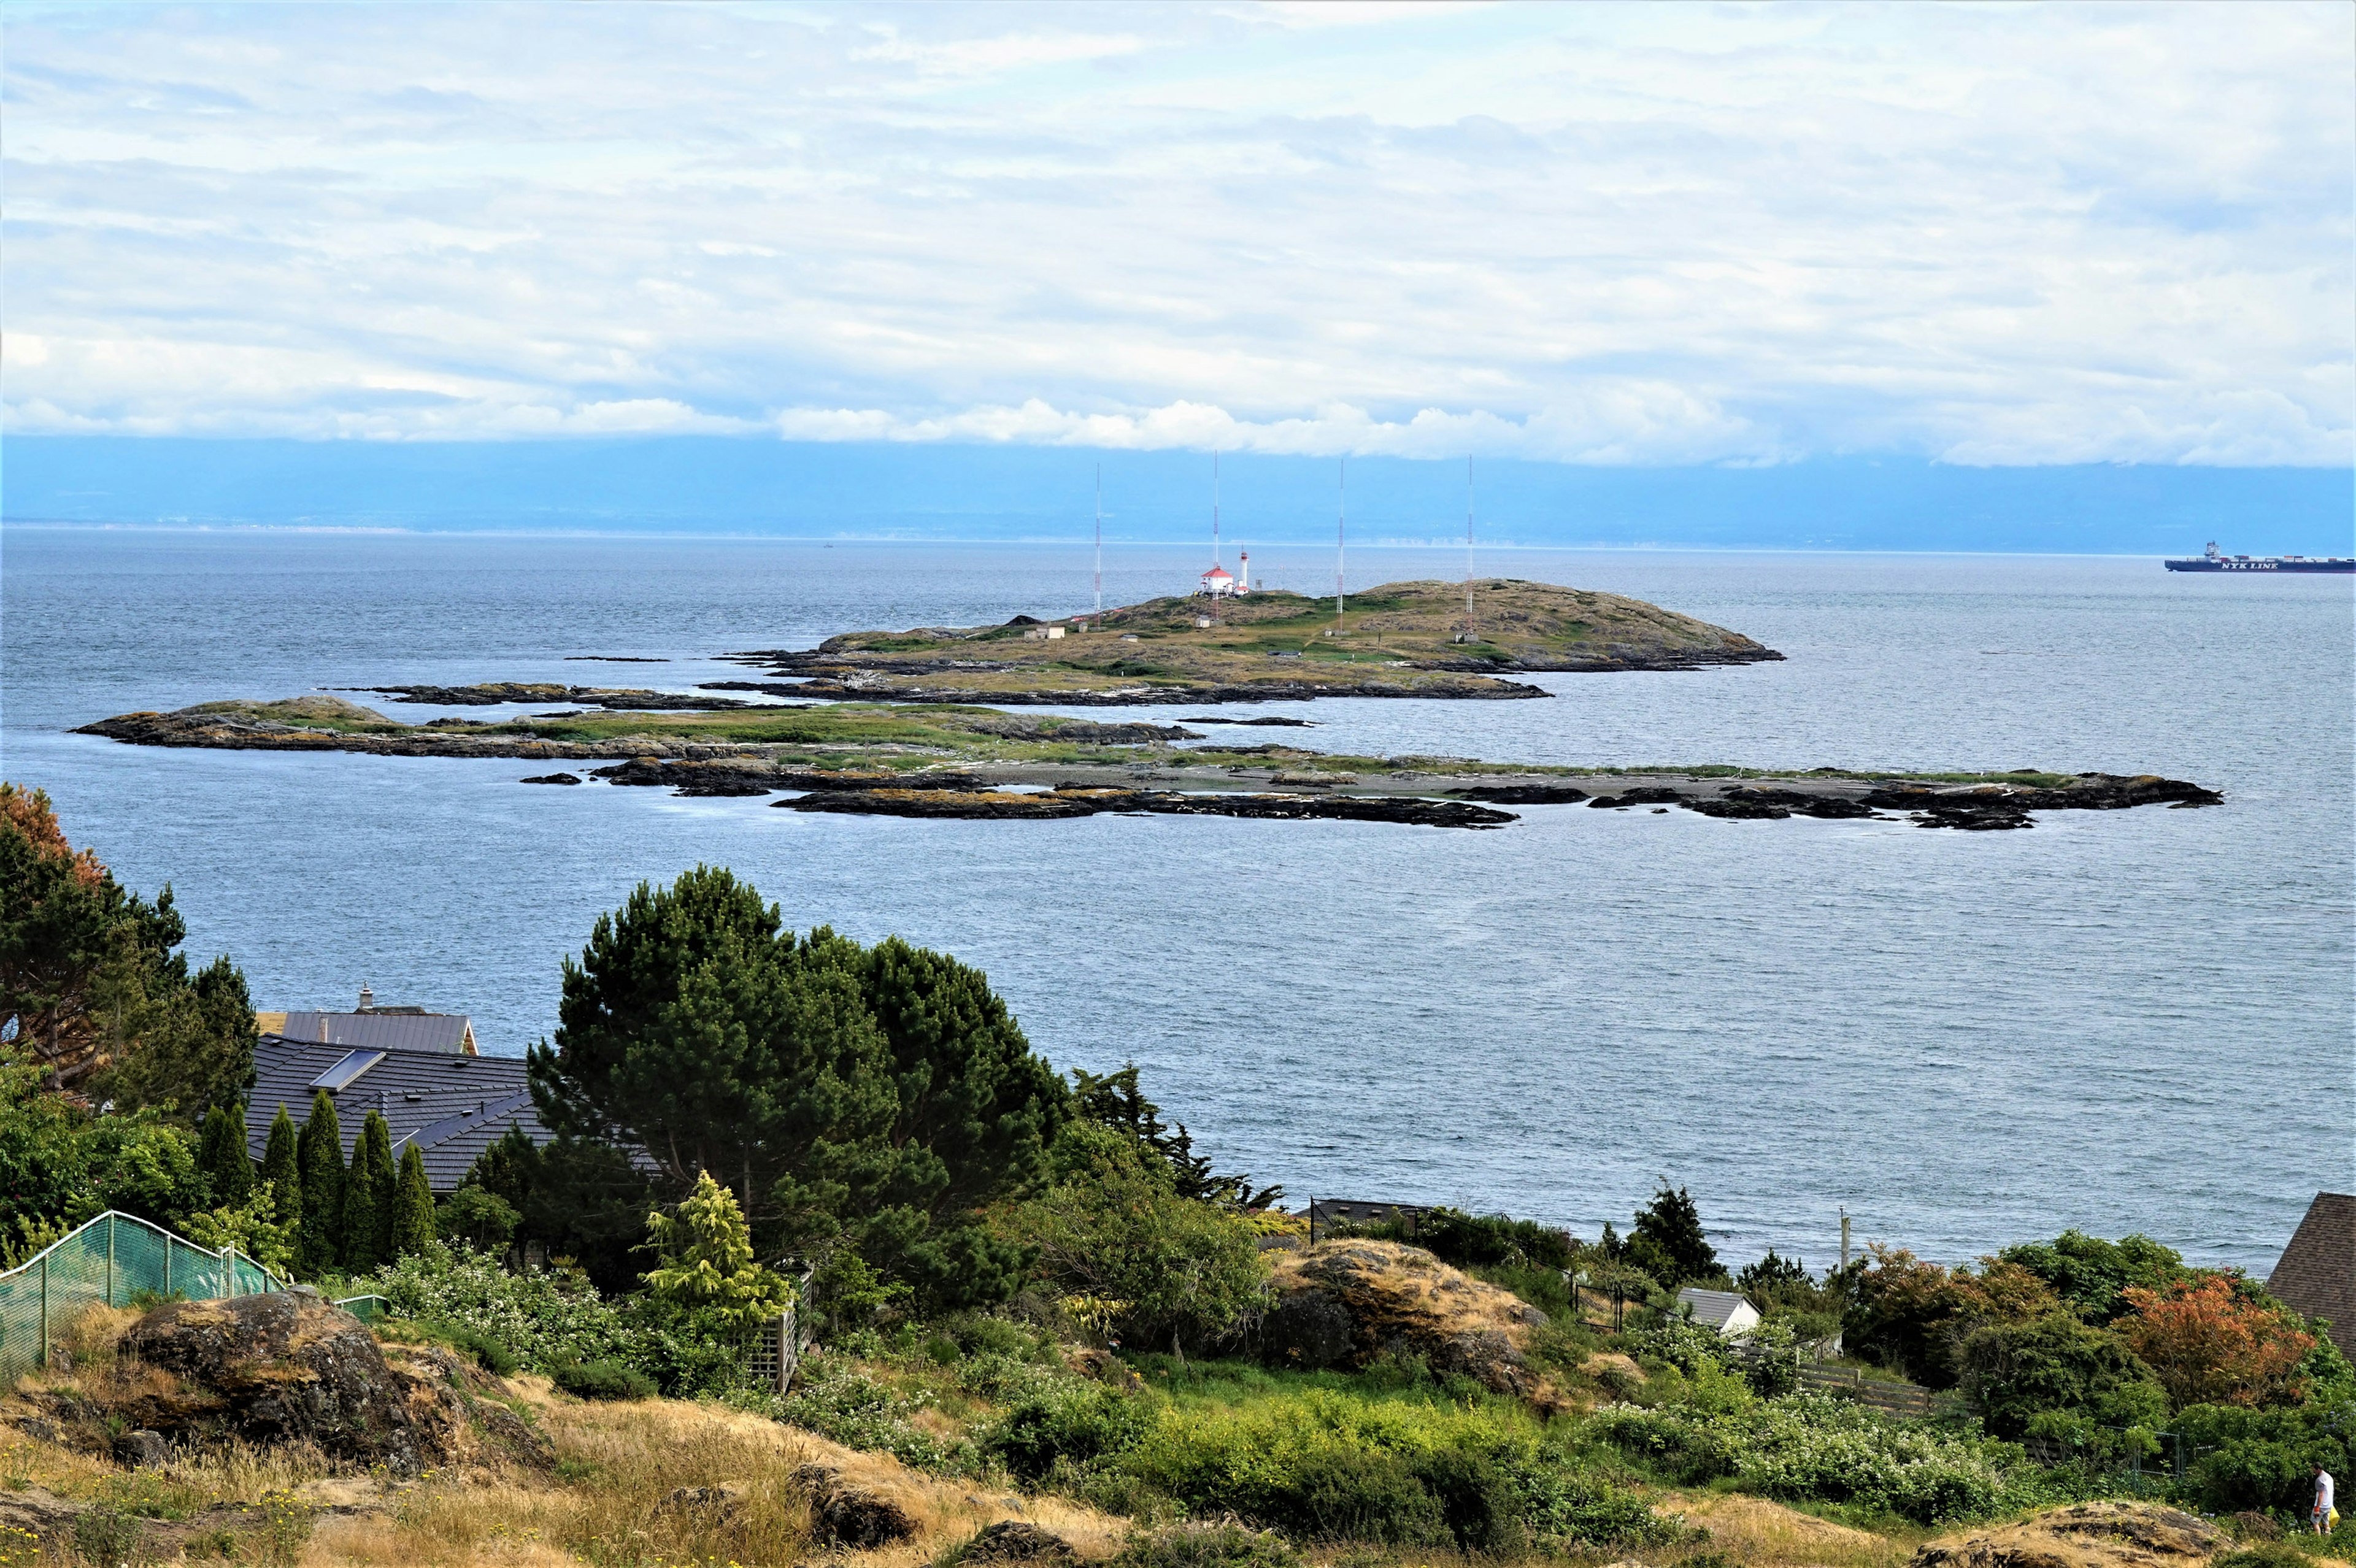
<point>1727,1311</point>
<point>1219,582</point>
<point>2316,1272</point>
<point>372,1028</point>
<point>1324,1213</point>
<point>448,1101</point>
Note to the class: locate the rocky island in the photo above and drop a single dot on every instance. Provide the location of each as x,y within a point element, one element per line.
<point>945,761</point>
<point>1402,639</point>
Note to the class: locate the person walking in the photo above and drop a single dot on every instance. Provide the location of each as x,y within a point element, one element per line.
<point>2323,1508</point>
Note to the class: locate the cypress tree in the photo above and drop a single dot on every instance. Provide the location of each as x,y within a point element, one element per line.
<point>320,1153</point>
<point>221,1155</point>
<point>413,1207</point>
<point>283,1170</point>
<point>368,1197</point>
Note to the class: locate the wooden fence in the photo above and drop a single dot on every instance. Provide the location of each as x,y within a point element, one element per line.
<point>1877,1394</point>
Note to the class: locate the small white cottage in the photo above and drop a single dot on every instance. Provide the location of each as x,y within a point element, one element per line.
<point>1726,1311</point>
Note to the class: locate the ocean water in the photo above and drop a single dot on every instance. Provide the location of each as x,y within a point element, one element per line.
<point>2120,1021</point>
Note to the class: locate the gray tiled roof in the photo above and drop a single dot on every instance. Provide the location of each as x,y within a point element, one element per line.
<point>451,1105</point>
<point>2317,1274</point>
<point>380,1031</point>
<point>1715,1308</point>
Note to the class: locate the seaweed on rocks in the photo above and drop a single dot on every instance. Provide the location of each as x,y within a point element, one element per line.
<point>1643,794</point>
<point>1524,794</point>
<point>1068,801</point>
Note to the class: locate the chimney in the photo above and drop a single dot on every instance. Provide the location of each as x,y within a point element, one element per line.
<point>367,998</point>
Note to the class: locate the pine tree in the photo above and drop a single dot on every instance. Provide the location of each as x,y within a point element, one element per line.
<point>321,1154</point>
<point>221,1155</point>
<point>413,1207</point>
<point>368,1197</point>
<point>282,1170</point>
<point>1668,1242</point>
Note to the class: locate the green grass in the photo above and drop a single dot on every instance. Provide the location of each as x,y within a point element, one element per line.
<point>900,737</point>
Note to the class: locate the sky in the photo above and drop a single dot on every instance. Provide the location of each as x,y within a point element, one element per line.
<point>1599,235</point>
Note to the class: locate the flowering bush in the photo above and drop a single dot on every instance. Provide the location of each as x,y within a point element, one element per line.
<point>1813,1448</point>
<point>544,1318</point>
<point>835,1398</point>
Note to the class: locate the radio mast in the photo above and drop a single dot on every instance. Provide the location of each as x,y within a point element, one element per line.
<point>1468,548</point>
<point>1099,540</point>
<point>1341,536</point>
<point>1215,511</point>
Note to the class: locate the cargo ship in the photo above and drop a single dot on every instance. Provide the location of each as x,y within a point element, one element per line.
<point>2210,560</point>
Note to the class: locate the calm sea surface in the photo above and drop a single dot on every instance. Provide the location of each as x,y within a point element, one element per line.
<point>2118,1021</point>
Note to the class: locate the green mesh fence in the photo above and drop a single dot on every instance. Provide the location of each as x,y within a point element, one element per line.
<point>112,1259</point>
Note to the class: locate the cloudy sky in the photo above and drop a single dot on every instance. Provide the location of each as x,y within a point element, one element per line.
<point>1609,234</point>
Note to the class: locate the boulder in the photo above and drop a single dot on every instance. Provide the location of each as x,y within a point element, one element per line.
<point>1012,1540</point>
<point>843,1513</point>
<point>279,1368</point>
<point>142,1449</point>
<point>2085,1535</point>
<point>1345,1303</point>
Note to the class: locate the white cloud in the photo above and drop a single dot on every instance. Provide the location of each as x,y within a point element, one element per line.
<point>1633,423</point>
<point>1590,234</point>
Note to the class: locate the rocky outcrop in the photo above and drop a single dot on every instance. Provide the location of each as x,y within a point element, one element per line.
<point>553,779</point>
<point>279,1368</point>
<point>1342,1303</point>
<point>2084,1535</point>
<point>1012,1540</point>
<point>843,1513</point>
<point>491,693</point>
<point>862,688</point>
<point>1524,794</point>
<point>1010,806</point>
<point>1742,802</point>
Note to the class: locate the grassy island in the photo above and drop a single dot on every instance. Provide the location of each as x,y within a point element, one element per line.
<point>953,761</point>
<point>1402,639</point>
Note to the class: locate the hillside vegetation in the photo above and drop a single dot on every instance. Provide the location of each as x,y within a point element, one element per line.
<point>1397,639</point>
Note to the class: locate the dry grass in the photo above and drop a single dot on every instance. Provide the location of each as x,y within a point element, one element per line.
<point>1761,1534</point>
<point>610,1504</point>
<point>89,1339</point>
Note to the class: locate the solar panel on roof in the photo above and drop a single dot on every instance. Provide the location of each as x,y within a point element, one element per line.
<point>341,1074</point>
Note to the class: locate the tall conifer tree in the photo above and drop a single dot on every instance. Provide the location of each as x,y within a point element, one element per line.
<point>368,1197</point>
<point>282,1170</point>
<point>413,1207</point>
<point>320,1153</point>
<point>221,1156</point>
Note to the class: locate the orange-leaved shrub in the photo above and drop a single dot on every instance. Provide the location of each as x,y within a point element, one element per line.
<point>2213,1343</point>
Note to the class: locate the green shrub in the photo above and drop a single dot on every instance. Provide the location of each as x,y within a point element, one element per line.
<point>542,1318</point>
<point>994,1336</point>
<point>1218,1544</point>
<point>1470,1241</point>
<point>603,1380</point>
<point>1320,1465</point>
<point>2264,1458</point>
<point>2013,1371</point>
<point>1680,1342</point>
<point>481,1348</point>
<point>1811,1448</point>
<point>942,1350</point>
<point>835,1398</point>
<point>1066,1420</point>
